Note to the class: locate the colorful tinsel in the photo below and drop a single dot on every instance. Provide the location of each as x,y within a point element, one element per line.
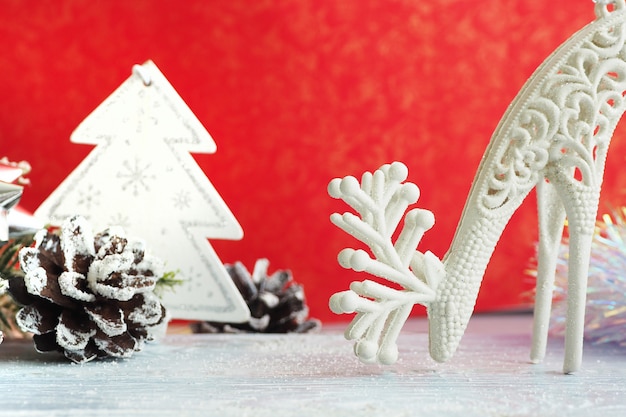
<point>605,319</point>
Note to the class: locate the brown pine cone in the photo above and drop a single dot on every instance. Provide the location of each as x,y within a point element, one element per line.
<point>276,302</point>
<point>88,297</point>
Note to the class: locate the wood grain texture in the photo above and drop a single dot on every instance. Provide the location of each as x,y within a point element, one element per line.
<point>313,375</point>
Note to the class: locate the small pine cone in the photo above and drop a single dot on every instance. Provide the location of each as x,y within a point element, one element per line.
<point>277,304</point>
<point>88,297</point>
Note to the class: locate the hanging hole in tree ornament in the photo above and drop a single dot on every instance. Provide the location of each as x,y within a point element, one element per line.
<point>142,73</point>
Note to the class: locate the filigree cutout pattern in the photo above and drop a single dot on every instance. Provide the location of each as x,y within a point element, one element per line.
<point>565,119</point>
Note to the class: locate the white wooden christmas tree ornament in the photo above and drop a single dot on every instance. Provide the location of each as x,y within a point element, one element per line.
<point>555,137</point>
<point>142,177</point>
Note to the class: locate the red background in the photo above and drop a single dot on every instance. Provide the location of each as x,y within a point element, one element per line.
<point>296,93</point>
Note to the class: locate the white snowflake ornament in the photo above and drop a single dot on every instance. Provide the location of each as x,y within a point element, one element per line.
<point>380,200</point>
<point>141,176</point>
<point>554,137</point>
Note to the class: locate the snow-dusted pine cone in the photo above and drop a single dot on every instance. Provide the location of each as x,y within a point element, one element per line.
<point>276,302</point>
<point>88,297</point>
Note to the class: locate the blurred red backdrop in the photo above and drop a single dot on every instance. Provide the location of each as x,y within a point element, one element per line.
<point>296,93</point>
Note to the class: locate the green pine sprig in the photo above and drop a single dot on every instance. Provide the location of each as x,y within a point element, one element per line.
<point>168,282</point>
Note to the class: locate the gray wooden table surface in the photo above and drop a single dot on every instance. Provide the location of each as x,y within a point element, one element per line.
<point>317,375</point>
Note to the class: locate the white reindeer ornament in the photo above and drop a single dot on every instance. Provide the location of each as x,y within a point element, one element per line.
<point>554,136</point>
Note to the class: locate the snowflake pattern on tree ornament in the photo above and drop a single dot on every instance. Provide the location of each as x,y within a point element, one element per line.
<point>182,199</point>
<point>135,176</point>
<point>88,197</point>
<point>120,219</point>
